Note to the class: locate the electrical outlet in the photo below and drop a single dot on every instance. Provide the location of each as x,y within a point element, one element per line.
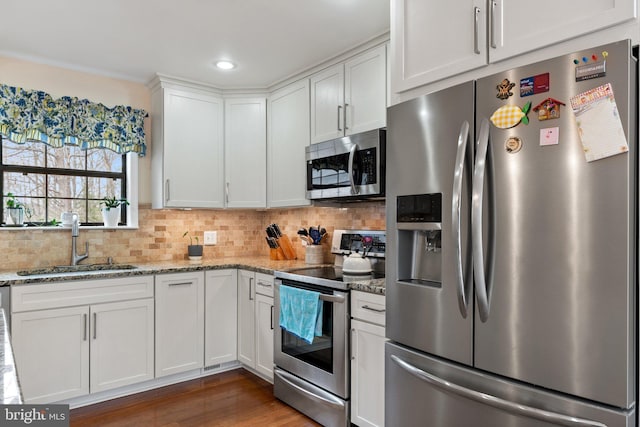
<point>210,238</point>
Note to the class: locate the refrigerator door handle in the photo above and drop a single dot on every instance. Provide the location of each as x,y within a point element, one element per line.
<point>477,200</point>
<point>456,200</point>
<point>494,401</point>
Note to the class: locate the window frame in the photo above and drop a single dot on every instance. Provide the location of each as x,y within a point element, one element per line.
<point>129,182</point>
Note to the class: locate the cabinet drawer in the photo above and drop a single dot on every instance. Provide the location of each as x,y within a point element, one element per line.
<point>368,307</point>
<point>264,284</point>
<point>83,292</point>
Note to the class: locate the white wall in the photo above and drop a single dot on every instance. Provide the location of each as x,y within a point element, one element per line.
<point>109,91</point>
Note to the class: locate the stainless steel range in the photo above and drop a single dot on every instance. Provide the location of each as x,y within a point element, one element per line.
<point>314,377</point>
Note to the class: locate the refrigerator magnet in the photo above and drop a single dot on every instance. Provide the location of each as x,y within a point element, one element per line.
<point>548,109</point>
<point>549,136</point>
<point>534,85</point>
<point>513,144</point>
<point>504,89</point>
<point>509,116</point>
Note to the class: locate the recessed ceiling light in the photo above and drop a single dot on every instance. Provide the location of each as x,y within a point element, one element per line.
<point>225,65</point>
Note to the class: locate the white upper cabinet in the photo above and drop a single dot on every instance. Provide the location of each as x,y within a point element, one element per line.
<point>288,127</point>
<point>187,151</point>
<point>350,97</point>
<point>365,91</point>
<point>246,153</point>
<point>327,104</point>
<point>551,21</point>
<point>432,40</point>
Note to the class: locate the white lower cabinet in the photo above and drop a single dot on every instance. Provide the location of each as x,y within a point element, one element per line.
<point>220,316</point>
<point>121,344</point>
<point>367,359</point>
<point>63,352</point>
<point>246,317</point>
<point>264,335</point>
<point>255,322</point>
<point>179,322</point>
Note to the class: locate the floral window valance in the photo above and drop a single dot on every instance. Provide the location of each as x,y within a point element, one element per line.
<point>30,115</point>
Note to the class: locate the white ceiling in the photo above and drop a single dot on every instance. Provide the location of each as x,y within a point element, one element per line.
<point>269,40</point>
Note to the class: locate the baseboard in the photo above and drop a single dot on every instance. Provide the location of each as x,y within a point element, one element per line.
<point>103,396</point>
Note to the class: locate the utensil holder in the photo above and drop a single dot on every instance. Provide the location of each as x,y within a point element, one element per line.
<point>313,254</point>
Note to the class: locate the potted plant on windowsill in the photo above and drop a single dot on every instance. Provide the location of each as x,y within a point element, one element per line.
<point>193,251</point>
<point>111,210</point>
<point>15,210</point>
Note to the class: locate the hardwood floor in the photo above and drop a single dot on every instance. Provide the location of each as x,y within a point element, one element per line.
<point>236,398</point>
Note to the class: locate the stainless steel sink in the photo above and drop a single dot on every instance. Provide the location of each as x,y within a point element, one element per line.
<point>75,269</point>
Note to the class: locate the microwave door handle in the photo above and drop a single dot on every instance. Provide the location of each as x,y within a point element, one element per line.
<point>494,401</point>
<point>456,201</point>
<point>352,155</point>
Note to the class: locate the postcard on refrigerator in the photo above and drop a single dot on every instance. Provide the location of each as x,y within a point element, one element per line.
<point>599,124</point>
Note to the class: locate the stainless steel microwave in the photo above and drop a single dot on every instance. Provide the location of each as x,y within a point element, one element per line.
<point>351,167</point>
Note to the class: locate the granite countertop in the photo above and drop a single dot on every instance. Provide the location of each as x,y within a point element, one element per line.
<point>260,264</point>
<point>9,388</point>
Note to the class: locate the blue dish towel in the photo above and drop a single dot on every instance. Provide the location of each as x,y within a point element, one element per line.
<point>301,312</point>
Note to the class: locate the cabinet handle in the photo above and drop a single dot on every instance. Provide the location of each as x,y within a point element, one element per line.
<point>180,283</point>
<point>167,188</point>
<point>266,285</point>
<point>95,328</point>
<point>339,108</point>
<point>476,30</point>
<point>226,195</point>
<point>353,339</point>
<point>250,283</point>
<point>272,318</point>
<point>84,337</point>
<point>492,33</point>
<point>377,310</point>
<point>345,117</point>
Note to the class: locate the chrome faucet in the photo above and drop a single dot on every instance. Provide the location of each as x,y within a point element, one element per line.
<point>75,231</point>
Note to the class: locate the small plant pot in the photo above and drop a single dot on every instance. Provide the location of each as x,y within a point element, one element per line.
<point>16,215</point>
<point>194,250</point>
<point>111,216</point>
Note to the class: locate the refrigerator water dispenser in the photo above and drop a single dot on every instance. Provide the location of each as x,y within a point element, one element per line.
<point>420,239</point>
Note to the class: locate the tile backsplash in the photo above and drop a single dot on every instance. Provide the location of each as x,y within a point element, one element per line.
<point>159,236</point>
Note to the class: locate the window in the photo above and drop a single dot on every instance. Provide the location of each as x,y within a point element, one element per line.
<point>49,180</point>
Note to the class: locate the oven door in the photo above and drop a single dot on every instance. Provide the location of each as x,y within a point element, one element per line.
<point>324,362</point>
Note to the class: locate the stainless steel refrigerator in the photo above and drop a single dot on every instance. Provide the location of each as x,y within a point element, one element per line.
<point>512,248</point>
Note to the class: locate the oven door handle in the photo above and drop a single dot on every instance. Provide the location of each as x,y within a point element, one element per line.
<point>332,298</point>
<point>325,398</point>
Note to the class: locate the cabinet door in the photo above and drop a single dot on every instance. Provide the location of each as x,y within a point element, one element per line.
<point>561,20</point>
<point>288,127</point>
<point>264,335</point>
<point>51,349</point>
<point>367,374</point>
<point>121,344</point>
<point>246,153</point>
<point>221,316</point>
<point>327,104</point>
<point>179,322</point>
<point>193,150</point>
<point>432,40</point>
<point>365,91</point>
<point>246,317</point>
